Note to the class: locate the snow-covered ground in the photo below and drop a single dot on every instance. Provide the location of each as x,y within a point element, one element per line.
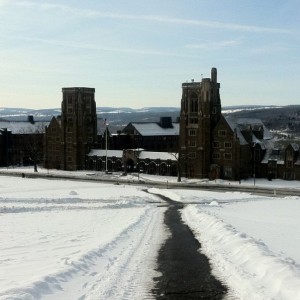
<point>253,242</point>
<point>63,239</point>
<point>77,240</point>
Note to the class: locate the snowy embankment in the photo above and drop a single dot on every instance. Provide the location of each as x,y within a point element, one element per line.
<point>77,240</point>
<point>252,242</point>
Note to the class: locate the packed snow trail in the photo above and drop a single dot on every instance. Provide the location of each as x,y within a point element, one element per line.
<point>122,269</point>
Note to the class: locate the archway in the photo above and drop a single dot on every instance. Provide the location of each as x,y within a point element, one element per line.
<point>129,165</point>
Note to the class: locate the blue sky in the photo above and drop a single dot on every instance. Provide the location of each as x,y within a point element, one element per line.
<point>137,53</point>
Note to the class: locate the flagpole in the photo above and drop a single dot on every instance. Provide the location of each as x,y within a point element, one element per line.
<point>106,146</point>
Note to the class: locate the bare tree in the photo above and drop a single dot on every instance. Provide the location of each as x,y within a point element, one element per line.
<point>178,158</point>
<point>31,144</point>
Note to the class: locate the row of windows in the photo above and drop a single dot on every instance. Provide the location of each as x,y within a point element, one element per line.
<point>227,156</point>
<point>217,144</point>
<point>221,133</point>
<point>54,139</point>
<point>192,132</point>
<point>54,148</point>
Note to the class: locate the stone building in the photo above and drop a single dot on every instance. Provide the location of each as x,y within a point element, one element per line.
<point>71,136</point>
<point>21,142</point>
<point>133,160</point>
<point>214,146</point>
<point>153,136</point>
<point>238,146</point>
<point>200,112</point>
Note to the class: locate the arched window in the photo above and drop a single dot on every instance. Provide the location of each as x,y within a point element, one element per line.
<point>194,103</point>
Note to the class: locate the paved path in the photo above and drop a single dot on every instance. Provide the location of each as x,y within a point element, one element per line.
<point>186,273</point>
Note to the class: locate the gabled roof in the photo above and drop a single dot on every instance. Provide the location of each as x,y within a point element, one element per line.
<point>240,125</point>
<point>295,146</point>
<point>235,128</point>
<point>154,129</point>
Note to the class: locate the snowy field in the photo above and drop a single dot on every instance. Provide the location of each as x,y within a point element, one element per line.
<point>63,239</point>
<point>76,240</point>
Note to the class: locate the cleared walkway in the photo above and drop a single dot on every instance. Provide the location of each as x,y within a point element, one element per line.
<point>186,273</point>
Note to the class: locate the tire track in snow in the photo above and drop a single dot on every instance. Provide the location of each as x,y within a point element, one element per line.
<point>121,270</point>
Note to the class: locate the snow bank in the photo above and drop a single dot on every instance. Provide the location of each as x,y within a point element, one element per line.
<point>245,264</point>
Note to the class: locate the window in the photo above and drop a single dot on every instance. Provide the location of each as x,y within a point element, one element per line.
<point>214,110</point>
<point>70,110</point>
<point>222,133</point>
<point>227,172</point>
<point>193,143</point>
<point>194,103</point>
<point>216,144</point>
<point>228,156</point>
<point>193,120</point>
<point>192,155</point>
<point>289,164</point>
<point>227,145</point>
<point>216,155</point>
<point>69,140</point>
<point>69,129</point>
<point>192,132</point>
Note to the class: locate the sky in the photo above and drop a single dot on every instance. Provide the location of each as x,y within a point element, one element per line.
<point>137,53</point>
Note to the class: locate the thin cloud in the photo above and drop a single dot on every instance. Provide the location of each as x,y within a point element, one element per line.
<point>214,45</point>
<point>71,44</point>
<point>152,18</point>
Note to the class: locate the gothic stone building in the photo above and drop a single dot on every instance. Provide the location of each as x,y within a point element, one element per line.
<point>200,112</point>
<point>214,146</point>
<point>70,137</point>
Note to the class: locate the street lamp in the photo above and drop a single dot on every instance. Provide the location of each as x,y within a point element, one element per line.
<point>254,144</point>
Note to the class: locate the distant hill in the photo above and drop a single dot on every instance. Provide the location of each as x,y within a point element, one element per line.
<point>281,118</point>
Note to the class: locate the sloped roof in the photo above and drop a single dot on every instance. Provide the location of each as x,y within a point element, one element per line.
<point>275,155</point>
<point>295,146</point>
<point>237,125</point>
<point>154,129</point>
<point>102,152</point>
<point>157,155</point>
<point>142,154</point>
<point>235,128</point>
<point>17,127</point>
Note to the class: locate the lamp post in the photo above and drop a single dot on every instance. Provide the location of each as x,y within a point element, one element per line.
<point>254,144</point>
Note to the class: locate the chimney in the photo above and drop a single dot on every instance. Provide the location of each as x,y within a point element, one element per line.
<point>30,119</point>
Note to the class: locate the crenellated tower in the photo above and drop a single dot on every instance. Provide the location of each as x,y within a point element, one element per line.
<point>78,125</point>
<point>200,112</point>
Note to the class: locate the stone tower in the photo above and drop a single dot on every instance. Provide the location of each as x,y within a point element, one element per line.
<point>78,125</point>
<point>200,112</point>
